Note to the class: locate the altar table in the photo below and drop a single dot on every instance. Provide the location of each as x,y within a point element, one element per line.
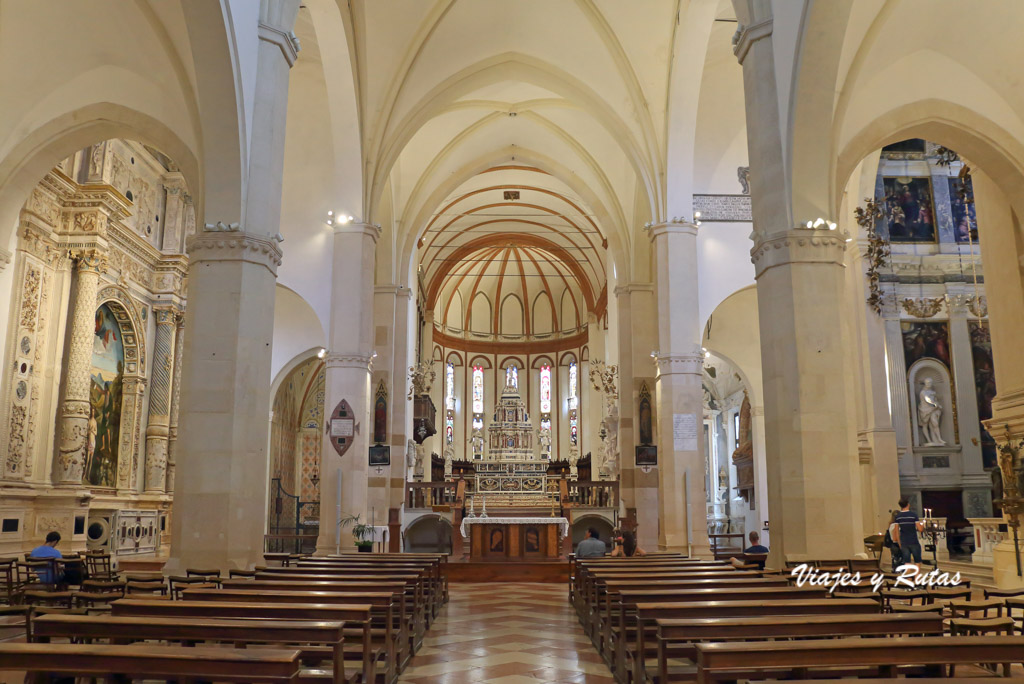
<point>514,538</point>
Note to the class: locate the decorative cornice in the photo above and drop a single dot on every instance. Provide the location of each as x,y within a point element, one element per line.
<point>234,246</point>
<point>922,307</point>
<point>286,40</point>
<point>5,259</point>
<point>630,288</point>
<point>499,347</point>
<point>746,36</point>
<point>800,245</point>
<point>676,226</point>
<point>691,363</point>
<point>372,230</point>
<point>349,360</point>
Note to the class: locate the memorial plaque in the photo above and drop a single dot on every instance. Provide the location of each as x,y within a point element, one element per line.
<point>342,427</point>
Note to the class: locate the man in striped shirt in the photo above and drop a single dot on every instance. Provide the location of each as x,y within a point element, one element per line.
<point>909,525</point>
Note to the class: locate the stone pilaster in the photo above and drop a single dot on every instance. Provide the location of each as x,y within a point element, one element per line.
<point>400,408</point>
<point>679,392</point>
<point>74,410</point>
<point>349,361</point>
<point>174,211</point>
<point>157,428</point>
<point>812,458</point>
<point>172,428</point>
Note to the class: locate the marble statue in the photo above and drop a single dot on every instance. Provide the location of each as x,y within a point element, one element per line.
<point>929,415</point>
<point>545,441</point>
<point>414,455</point>
<point>477,442</point>
<point>610,425</point>
<point>449,456</point>
<point>574,457</point>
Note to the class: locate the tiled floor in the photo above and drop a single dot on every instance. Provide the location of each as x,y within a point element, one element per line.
<point>507,634</point>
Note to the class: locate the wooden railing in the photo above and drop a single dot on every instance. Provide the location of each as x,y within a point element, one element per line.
<point>592,494</point>
<point>721,545</point>
<point>428,494</point>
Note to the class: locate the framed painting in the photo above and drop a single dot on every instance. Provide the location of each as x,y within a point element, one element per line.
<point>909,209</point>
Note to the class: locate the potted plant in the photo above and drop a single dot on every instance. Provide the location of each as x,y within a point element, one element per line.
<point>361,532</point>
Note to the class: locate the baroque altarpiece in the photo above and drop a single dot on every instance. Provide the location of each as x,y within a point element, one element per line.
<point>89,394</point>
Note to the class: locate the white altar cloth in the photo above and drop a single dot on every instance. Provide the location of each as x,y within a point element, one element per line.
<point>563,524</point>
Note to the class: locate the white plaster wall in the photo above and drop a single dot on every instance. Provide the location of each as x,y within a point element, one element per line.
<point>296,329</point>
<point>723,263</point>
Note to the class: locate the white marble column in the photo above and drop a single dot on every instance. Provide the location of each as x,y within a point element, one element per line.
<point>349,362</point>
<point>157,427</point>
<point>401,407</point>
<point>813,465</point>
<point>74,410</point>
<point>683,514</point>
<point>977,484</point>
<point>220,504</point>
<point>593,402</point>
<point>899,397</point>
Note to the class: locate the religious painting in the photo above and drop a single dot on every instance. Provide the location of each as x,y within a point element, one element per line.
<point>107,375</point>
<point>926,340</point>
<point>380,415</point>
<point>961,196</point>
<point>496,540</point>
<point>984,386</point>
<point>380,456</point>
<point>909,209</point>
<point>645,414</point>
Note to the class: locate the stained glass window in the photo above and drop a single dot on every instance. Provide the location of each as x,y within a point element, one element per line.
<point>545,389</point>
<point>478,389</point>
<point>572,385</point>
<point>512,377</point>
<point>449,403</point>
<point>574,422</point>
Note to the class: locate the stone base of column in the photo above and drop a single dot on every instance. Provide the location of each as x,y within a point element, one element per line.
<point>156,460</point>
<point>74,438</point>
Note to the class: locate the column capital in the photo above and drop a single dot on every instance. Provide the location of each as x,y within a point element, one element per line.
<point>680,363</point>
<point>218,242</point>
<point>675,226</point>
<point>629,288</point>
<point>371,230</point>
<point>349,360</point>
<point>165,315</point>
<point>746,36</point>
<point>90,260</point>
<point>800,245</point>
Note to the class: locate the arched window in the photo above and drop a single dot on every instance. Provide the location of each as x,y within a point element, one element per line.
<point>478,389</point>
<point>449,402</point>
<point>545,389</point>
<point>574,421</point>
<point>512,376</point>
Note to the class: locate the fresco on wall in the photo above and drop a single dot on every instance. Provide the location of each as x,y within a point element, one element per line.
<point>909,209</point>
<point>962,201</point>
<point>926,340</point>
<point>105,400</point>
<point>984,386</point>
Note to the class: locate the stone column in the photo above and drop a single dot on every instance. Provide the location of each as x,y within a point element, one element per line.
<point>349,362</point>
<point>899,397</point>
<point>679,390</point>
<point>74,410</point>
<point>593,402</point>
<point>813,465</point>
<point>221,460</point>
<point>158,426</point>
<point>977,484</point>
<point>400,406</point>
<point>172,428</point>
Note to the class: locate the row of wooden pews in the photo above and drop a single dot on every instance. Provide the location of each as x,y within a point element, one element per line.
<point>667,618</point>
<point>352,618</point>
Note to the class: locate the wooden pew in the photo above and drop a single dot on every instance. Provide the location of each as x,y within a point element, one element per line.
<point>266,666</point>
<point>623,618</point>
<point>360,614</point>
<point>435,566</point>
<point>677,638</point>
<point>383,603</point>
<point>409,620</point>
<point>315,641</point>
<point>730,661</point>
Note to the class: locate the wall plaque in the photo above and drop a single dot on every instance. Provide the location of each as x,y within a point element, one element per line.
<point>342,427</point>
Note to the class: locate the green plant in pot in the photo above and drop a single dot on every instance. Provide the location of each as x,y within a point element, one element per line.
<point>361,532</point>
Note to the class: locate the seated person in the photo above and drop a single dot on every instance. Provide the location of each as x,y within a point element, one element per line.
<point>754,548</point>
<point>591,546</point>
<point>45,552</point>
<point>625,546</point>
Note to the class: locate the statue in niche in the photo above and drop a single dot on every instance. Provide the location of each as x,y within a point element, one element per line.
<point>574,457</point>
<point>929,415</point>
<point>610,428</point>
<point>545,441</point>
<point>477,442</point>
<point>414,455</point>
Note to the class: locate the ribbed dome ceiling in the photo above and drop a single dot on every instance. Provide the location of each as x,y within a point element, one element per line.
<point>510,267</point>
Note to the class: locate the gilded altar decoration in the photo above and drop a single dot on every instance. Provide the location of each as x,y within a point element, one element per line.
<point>878,253</point>
<point>922,307</point>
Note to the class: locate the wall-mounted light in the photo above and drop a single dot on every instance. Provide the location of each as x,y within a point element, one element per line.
<point>819,223</point>
<point>341,219</point>
<point>696,218</point>
<point>322,353</point>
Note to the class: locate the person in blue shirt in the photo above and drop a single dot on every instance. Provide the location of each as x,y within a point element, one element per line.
<point>755,544</point>
<point>909,525</point>
<point>47,550</point>
<point>591,546</point>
